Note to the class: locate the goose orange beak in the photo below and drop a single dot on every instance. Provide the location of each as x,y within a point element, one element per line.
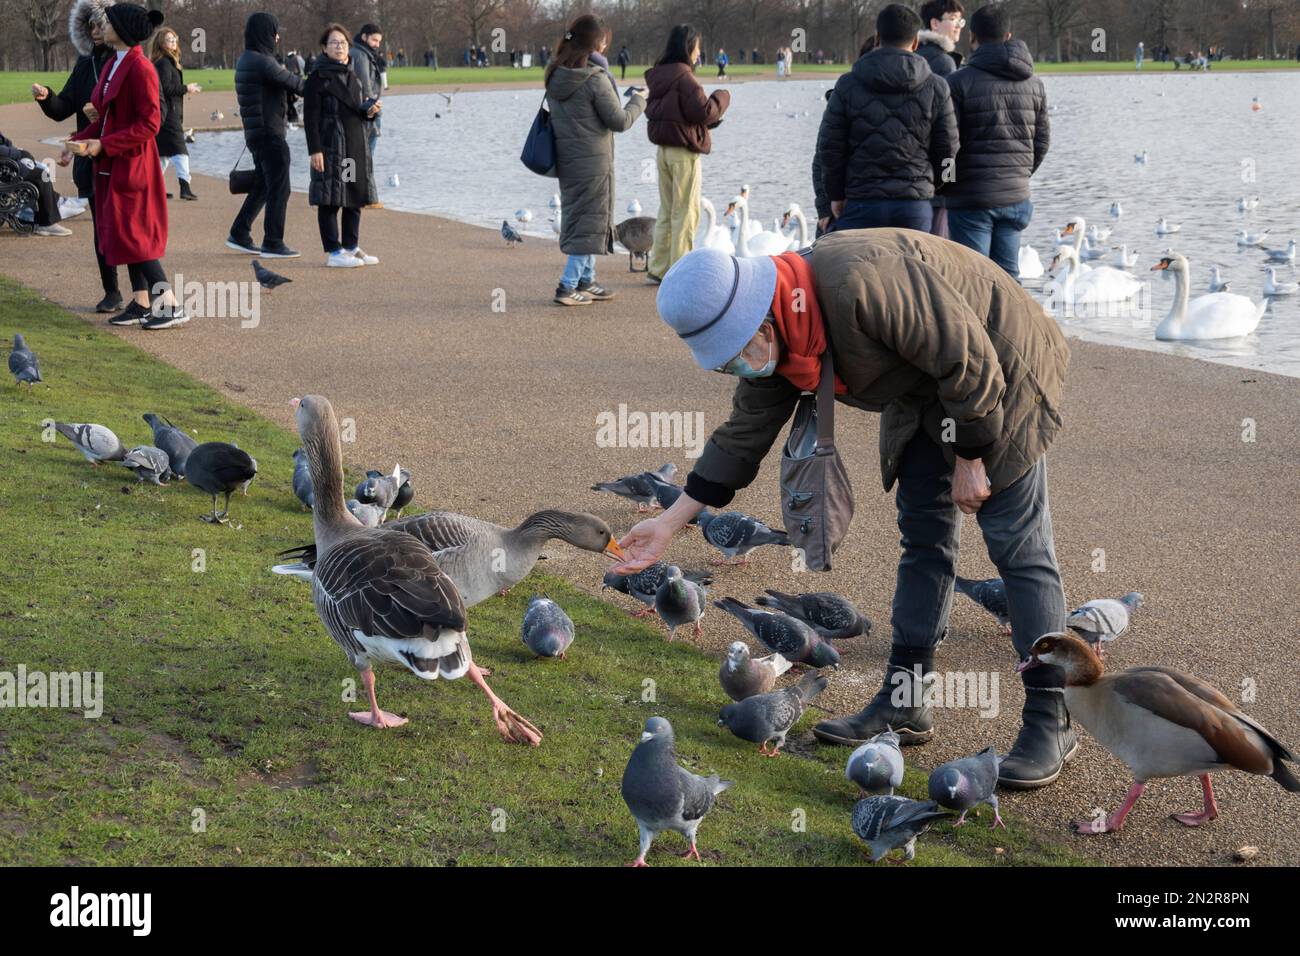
<point>614,551</point>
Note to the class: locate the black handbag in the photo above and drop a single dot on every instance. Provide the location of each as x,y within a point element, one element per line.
<point>539,148</point>
<point>242,181</point>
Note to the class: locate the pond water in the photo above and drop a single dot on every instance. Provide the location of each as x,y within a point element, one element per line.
<point>1206,148</point>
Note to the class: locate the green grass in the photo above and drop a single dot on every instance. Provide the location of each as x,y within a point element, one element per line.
<point>15,86</point>
<point>223,691</point>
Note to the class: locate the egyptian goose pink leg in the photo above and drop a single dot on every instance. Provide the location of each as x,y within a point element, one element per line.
<point>1211,808</point>
<point>1094,825</point>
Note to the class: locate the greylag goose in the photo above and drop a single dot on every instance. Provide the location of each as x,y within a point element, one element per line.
<point>172,440</point>
<point>1162,723</point>
<point>96,442</point>
<point>379,592</point>
<point>218,468</point>
<point>638,237</point>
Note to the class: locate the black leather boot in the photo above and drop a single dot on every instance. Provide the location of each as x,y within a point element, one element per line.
<point>1046,738</point>
<point>897,705</point>
<point>186,192</point>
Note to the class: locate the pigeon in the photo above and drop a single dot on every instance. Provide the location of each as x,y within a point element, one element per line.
<point>302,480</point>
<point>189,135</point>
<point>639,488</point>
<point>990,594</point>
<point>380,489</point>
<point>509,235</point>
<point>785,635</point>
<point>218,116</point>
<point>266,278</point>
<point>662,795</point>
<point>218,467</point>
<point>1101,621</point>
<point>770,716</point>
<point>23,363</point>
<point>736,534</point>
<point>742,676</point>
<point>173,441</point>
<point>667,493</point>
<point>547,631</point>
<point>96,442</point>
<point>149,464</point>
<point>372,516</point>
<point>644,584</point>
<point>888,823</point>
<point>877,766</point>
<point>965,783</point>
<point>679,601</point>
<point>405,493</point>
<point>831,615</point>
<point>524,215</point>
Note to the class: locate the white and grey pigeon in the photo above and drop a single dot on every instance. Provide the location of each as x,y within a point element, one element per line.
<point>679,601</point>
<point>1101,621</point>
<point>23,363</point>
<point>644,584</point>
<point>509,235</point>
<point>547,631</point>
<point>372,516</point>
<point>782,634</point>
<point>743,676</point>
<point>382,490</point>
<point>96,442</point>
<point>967,782</point>
<point>736,534</point>
<point>769,717</point>
<point>639,488</point>
<point>172,440</point>
<point>990,594</point>
<point>663,796</point>
<point>149,464</point>
<point>877,766</point>
<point>887,823</point>
<point>302,479</point>
<point>831,615</point>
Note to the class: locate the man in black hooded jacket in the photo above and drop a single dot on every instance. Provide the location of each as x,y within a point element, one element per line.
<point>262,87</point>
<point>1005,133</point>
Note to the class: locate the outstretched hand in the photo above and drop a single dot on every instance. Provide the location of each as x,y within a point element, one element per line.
<point>644,544</point>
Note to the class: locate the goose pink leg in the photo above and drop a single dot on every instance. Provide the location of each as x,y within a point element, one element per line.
<point>513,728</point>
<point>374,717</point>
<point>1094,825</point>
<point>1206,815</point>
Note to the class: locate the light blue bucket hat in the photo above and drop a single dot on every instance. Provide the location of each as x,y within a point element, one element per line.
<point>716,302</point>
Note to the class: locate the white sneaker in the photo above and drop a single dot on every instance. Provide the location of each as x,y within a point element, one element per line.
<point>343,260</point>
<point>361,254</point>
<point>70,207</point>
<point>55,230</point>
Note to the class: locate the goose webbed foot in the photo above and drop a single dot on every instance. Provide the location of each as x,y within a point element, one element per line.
<point>1208,813</point>
<point>374,717</point>
<point>513,727</point>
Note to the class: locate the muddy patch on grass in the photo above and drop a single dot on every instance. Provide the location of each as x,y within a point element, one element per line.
<point>297,777</point>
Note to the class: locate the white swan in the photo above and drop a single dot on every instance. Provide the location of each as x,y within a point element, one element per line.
<point>801,239</point>
<point>1031,267</point>
<point>1072,237</point>
<point>1102,284</point>
<point>711,235</point>
<point>1125,259</point>
<point>1217,282</point>
<point>754,227</point>
<point>1164,228</point>
<point>1273,287</point>
<point>1245,238</point>
<point>1219,315</point>
<point>752,246</point>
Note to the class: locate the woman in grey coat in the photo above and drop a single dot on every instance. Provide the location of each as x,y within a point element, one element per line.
<point>585,113</point>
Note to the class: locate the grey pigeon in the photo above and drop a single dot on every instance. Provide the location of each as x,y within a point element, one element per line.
<point>302,480</point>
<point>23,363</point>
<point>644,584</point>
<point>172,440</point>
<point>509,235</point>
<point>218,468</point>
<point>149,464</point>
<point>966,783</point>
<point>736,534</point>
<point>770,716</point>
<point>547,631</point>
<point>266,278</point>
<point>372,516</point>
<point>742,676</point>
<point>662,795</point>
<point>887,823</point>
<point>96,442</point>
<point>405,493</point>
<point>831,615</point>
<point>666,494</point>
<point>679,601</point>
<point>779,632</point>
<point>877,765</point>
<point>382,490</point>
<point>991,595</point>
<point>1101,621</point>
<point>639,488</point>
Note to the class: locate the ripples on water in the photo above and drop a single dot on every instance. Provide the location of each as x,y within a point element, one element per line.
<point>1200,133</point>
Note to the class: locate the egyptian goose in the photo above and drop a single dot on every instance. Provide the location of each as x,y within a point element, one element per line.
<point>379,592</point>
<point>1162,723</point>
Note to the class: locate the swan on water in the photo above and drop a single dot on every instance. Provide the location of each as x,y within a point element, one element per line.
<point>1219,315</point>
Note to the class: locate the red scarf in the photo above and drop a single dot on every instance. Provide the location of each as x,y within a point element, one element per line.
<point>799,323</point>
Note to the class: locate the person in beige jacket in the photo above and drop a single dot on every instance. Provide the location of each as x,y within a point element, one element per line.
<point>966,371</point>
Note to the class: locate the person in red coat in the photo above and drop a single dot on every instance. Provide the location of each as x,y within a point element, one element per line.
<point>130,201</point>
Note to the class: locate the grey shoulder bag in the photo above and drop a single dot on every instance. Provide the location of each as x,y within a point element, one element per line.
<point>816,495</point>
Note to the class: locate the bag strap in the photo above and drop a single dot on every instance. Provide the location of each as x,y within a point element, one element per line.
<point>826,404</point>
<point>241,156</point>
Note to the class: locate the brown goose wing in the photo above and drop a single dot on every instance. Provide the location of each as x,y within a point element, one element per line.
<point>1189,702</point>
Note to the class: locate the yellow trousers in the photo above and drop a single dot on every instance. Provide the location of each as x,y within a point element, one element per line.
<point>679,207</point>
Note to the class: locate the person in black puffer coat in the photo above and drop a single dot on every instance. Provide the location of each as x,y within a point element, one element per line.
<point>1005,133</point>
<point>166,56</point>
<point>262,86</point>
<point>342,177</point>
<point>86,31</point>
<point>367,61</point>
<point>941,23</point>
<point>888,133</point>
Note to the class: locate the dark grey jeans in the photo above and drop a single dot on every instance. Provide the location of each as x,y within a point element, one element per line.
<point>1017,526</point>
